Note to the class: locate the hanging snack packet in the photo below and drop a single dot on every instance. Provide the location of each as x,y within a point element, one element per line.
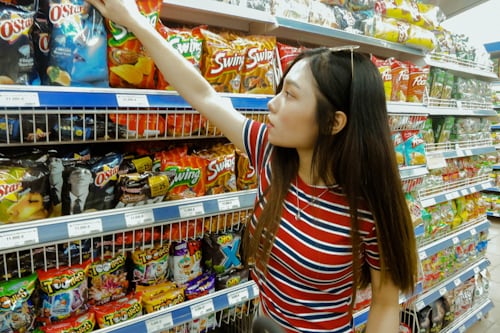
<point>258,71</point>
<point>107,279</point>
<point>129,64</point>
<point>185,260</point>
<point>400,76</point>
<point>384,67</point>
<point>77,45</point>
<point>17,63</point>
<point>221,168</point>
<point>150,265</point>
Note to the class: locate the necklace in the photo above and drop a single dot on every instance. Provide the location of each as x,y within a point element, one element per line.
<point>311,203</point>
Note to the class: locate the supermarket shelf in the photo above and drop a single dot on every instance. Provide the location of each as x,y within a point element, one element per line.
<point>17,96</point>
<point>461,152</point>
<point>454,281</point>
<point>413,172</point>
<point>492,214</point>
<point>478,312</point>
<point>458,111</point>
<point>452,239</point>
<point>28,234</point>
<point>187,311</point>
<point>469,70</point>
<point>456,192</point>
<point>407,108</point>
<point>315,34</point>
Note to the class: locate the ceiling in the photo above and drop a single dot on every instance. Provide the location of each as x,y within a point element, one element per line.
<point>455,7</point>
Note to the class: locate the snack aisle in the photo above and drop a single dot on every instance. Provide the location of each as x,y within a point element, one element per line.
<point>453,244</point>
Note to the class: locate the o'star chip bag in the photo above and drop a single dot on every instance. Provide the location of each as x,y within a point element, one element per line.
<point>77,45</point>
<point>129,65</point>
<point>17,63</point>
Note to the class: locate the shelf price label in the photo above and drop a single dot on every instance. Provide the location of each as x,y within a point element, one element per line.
<point>18,238</point>
<point>237,296</point>
<point>19,99</point>
<point>455,240</point>
<point>442,291</point>
<point>422,255</point>
<point>228,203</point>
<point>201,309</point>
<point>132,100</point>
<point>135,219</point>
<point>420,305</point>
<point>159,324</point>
<point>191,210</point>
<point>457,282</point>
<point>82,228</point>
<point>462,329</point>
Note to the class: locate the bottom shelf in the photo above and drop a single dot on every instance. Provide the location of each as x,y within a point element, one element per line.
<point>476,313</point>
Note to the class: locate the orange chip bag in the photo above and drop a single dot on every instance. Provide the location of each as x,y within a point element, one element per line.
<point>141,124</point>
<point>129,65</point>
<point>400,77</point>
<point>222,61</point>
<point>186,176</point>
<point>246,177</point>
<point>118,311</point>
<point>417,83</point>
<point>186,43</point>
<point>258,71</point>
<point>221,173</point>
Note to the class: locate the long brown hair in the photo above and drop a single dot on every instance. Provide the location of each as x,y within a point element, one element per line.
<point>360,158</point>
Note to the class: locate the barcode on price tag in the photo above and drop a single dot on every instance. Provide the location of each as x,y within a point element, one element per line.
<point>237,296</point>
<point>19,99</point>
<point>191,210</point>
<point>228,203</point>
<point>139,218</point>
<point>134,100</point>
<point>82,228</point>
<point>201,309</point>
<point>159,324</point>
<point>18,238</point>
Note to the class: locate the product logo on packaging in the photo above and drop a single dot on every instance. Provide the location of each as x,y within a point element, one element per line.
<point>60,11</point>
<point>11,30</point>
<point>256,56</point>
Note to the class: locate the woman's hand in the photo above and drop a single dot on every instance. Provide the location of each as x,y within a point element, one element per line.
<point>122,12</point>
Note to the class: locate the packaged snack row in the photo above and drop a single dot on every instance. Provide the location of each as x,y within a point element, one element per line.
<point>452,129</point>
<point>47,185</point>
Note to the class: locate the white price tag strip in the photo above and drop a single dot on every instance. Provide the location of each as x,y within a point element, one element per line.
<point>479,315</point>
<point>237,297</point>
<point>228,203</point>
<point>422,255</point>
<point>436,162</point>
<point>201,309</point>
<point>457,282</point>
<point>124,100</point>
<point>476,270</point>
<point>428,202</point>
<point>18,238</point>
<point>139,218</point>
<point>19,99</point>
<point>473,232</point>
<point>420,305</point>
<point>455,240</point>
<point>82,228</point>
<point>451,196</point>
<point>442,291</point>
<point>462,329</point>
<point>159,324</point>
<point>191,210</point>
<point>464,192</point>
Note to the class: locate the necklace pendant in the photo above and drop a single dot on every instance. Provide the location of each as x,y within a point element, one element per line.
<point>297,215</point>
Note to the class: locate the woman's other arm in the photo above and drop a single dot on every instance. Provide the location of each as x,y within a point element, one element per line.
<point>179,72</point>
<point>384,309</point>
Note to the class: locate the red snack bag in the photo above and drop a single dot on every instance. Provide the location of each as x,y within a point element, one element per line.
<point>384,67</point>
<point>258,71</point>
<point>84,323</point>
<point>400,76</point>
<point>119,311</point>
<point>287,54</point>
<point>143,125</point>
<point>417,82</point>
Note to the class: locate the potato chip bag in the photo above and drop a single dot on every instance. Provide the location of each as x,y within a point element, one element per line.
<point>258,72</point>
<point>417,83</point>
<point>414,147</point>
<point>400,76</point>
<point>129,64</point>
<point>384,67</point>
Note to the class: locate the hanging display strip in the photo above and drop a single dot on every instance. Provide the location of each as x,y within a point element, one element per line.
<point>451,283</point>
<point>109,221</point>
<point>452,239</point>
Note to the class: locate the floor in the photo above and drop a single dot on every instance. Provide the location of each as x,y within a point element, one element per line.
<point>491,324</point>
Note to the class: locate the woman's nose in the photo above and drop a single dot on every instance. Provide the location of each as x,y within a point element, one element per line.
<point>271,105</point>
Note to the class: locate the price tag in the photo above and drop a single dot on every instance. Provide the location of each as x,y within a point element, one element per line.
<point>436,161</point>
<point>159,324</point>
<point>191,210</point>
<point>476,270</point>
<point>455,240</point>
<point>18,238</point>
<point>228,203</point>
<point>125,100</point>
<point>468,152</point>
<point>238,296</point>
<point>428,202</point>
<point>255,290</point>
<point>457,282</point>
<point>462,329</point>
<point>19,99</point>
<point>139,218</point>
<point>442,291</point>
<point>451,196</point>
<point>479,315</point>
<point>422,255</point>
<point>201,309</point>
<point>473,232</point>
<point>82,228</point>
<point>420,305</point>
<point>464,192</point>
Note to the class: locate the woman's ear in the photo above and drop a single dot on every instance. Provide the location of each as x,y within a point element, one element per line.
<point>339,122</point>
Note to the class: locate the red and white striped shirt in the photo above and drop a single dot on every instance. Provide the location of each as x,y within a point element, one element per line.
<point>309,282</point>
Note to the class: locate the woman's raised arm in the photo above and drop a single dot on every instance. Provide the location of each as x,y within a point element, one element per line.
<point>179,72</point>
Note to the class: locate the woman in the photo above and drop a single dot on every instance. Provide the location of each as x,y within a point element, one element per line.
<point>329,185</point>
